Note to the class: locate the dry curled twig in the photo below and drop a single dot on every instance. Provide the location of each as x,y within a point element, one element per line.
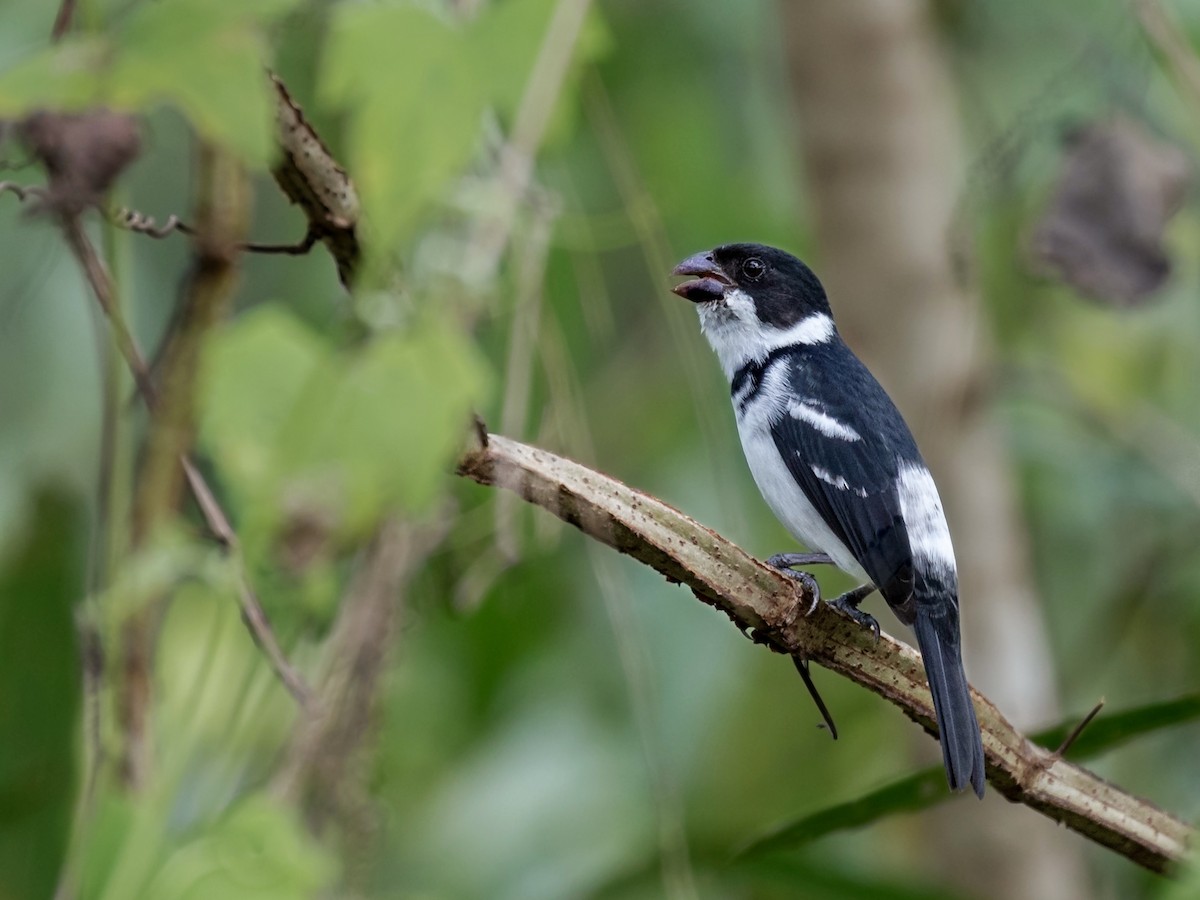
<point>22,191</point>
<point>141,223</point>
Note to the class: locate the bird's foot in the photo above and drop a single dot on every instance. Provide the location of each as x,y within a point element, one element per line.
<point>783,561</point>
<point>807,583</point>
<point>848,602</point>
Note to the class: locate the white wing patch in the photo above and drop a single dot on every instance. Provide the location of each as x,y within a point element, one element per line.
<point>837,481</point>
<point>921,507</point>
<point>804,411</point>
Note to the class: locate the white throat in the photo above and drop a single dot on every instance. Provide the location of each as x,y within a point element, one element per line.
<point>735,332</point>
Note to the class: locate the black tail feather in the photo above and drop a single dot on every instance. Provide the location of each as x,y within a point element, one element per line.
<point>958,729</point>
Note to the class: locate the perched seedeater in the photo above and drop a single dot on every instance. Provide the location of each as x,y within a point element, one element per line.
<point>837,464</point>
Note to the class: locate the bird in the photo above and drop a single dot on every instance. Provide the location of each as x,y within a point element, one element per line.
<point>837,464</point>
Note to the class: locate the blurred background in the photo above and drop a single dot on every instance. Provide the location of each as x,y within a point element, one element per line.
<point>998,198</point>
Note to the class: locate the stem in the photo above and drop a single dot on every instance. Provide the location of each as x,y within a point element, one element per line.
<point>214,515</point>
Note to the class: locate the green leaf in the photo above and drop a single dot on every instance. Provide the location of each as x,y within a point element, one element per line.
<point>928,787</point>
<point>205,57</point>
<point>817,882</point>
<point>503,46</point>
<point>254,375</point>
<point>407,81</point>
<point>259,850</point>
<point>39,666</point>
<point>1185,885</point>
<point>383,430</point>
<point>290,423</point>
<point>61,77</point>
<point>415,88</point>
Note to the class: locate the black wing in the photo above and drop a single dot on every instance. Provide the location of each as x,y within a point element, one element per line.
<point>845,450</point>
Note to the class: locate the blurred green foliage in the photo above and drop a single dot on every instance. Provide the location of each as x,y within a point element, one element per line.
<point>40,664</point>
<point>553,721</point>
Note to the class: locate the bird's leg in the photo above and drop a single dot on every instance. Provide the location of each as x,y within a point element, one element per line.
<point>791,560</point>
<point>848,603</point>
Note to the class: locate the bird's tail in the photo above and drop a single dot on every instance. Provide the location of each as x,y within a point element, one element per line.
<point>962,745</point>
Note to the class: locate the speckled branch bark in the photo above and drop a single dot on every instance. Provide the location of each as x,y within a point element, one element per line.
<point>773,609</point>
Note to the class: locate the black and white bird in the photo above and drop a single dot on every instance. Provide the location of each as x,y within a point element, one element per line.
<point>837,464</point>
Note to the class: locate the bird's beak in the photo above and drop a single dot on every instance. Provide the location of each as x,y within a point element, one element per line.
<point>712,283</point>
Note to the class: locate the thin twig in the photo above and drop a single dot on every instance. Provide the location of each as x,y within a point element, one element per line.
<point>300,248</point>
<point>22,191</point>
<point>321,764</point>
<point>545,84</point>
<point>1078,729</point>
<point>210,508</point>
<point>140,223</point>
<point>62,21</point>
<point>806,677</point>
<point>758,598</point>
<point>1167,36</point>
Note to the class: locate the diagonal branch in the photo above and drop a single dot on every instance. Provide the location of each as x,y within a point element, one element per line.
<point>210,508</point>
<point>761,601</point>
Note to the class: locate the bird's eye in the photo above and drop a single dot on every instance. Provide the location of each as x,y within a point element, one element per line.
<point>754,268</point>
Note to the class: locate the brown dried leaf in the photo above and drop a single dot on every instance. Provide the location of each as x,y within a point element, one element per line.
<point>1102,232</point>
<point>312,178</point>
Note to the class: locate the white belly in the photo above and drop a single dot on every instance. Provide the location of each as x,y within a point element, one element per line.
<point>771,474</point>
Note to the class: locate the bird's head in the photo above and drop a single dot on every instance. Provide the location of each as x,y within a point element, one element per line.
<point>752,299</point>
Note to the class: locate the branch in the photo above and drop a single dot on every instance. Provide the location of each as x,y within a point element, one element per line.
<point>213,514</point>
<point>62,20</point>
<point>759,600</point>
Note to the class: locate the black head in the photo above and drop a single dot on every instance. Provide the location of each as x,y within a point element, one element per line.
<point>783,289</point>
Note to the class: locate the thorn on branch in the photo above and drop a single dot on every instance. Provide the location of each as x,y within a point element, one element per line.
<point>802,667</point>
<point>481,431</point>
<point>1078,729</point>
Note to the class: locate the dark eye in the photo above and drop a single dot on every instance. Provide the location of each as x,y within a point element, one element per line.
<point>754,268</point>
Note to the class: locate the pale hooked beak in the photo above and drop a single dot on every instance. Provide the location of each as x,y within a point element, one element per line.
<point>712,283</point>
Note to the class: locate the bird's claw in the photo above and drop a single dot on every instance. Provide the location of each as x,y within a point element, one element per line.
<point>782,563</point>
<point>847,604</point>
